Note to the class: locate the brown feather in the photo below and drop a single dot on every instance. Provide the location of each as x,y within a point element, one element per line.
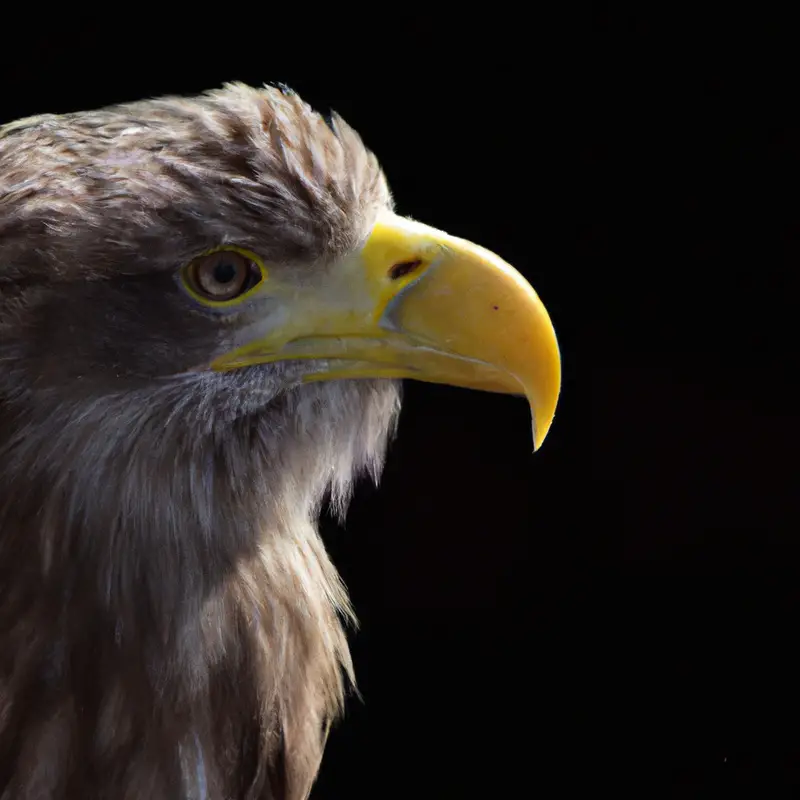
<point>170,623</point>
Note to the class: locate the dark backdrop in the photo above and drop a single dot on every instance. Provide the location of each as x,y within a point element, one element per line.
<point>621,608</point>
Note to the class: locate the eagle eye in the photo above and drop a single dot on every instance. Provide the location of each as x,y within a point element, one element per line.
<point>223,275</point>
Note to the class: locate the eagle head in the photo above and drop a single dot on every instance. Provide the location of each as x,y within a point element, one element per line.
<point>206,306</point>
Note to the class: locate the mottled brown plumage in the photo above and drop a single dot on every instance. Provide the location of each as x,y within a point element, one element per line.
<point>170,624</point>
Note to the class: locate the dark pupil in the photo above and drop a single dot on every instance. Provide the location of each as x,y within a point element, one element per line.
<point>224,272</point>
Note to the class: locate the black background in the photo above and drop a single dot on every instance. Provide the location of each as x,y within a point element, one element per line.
<point>620,609</point>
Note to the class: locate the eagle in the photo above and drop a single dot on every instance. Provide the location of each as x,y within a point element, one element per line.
<point>207,308</point>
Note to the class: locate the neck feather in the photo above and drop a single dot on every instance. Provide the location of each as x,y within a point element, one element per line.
<point>170,619</point>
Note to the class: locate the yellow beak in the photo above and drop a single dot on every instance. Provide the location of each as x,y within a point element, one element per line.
<point>417,303</point>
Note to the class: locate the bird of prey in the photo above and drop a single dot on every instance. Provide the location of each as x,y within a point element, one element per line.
<point>207,306</point>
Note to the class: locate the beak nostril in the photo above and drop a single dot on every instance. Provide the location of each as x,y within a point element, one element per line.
<point>403,268</point>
